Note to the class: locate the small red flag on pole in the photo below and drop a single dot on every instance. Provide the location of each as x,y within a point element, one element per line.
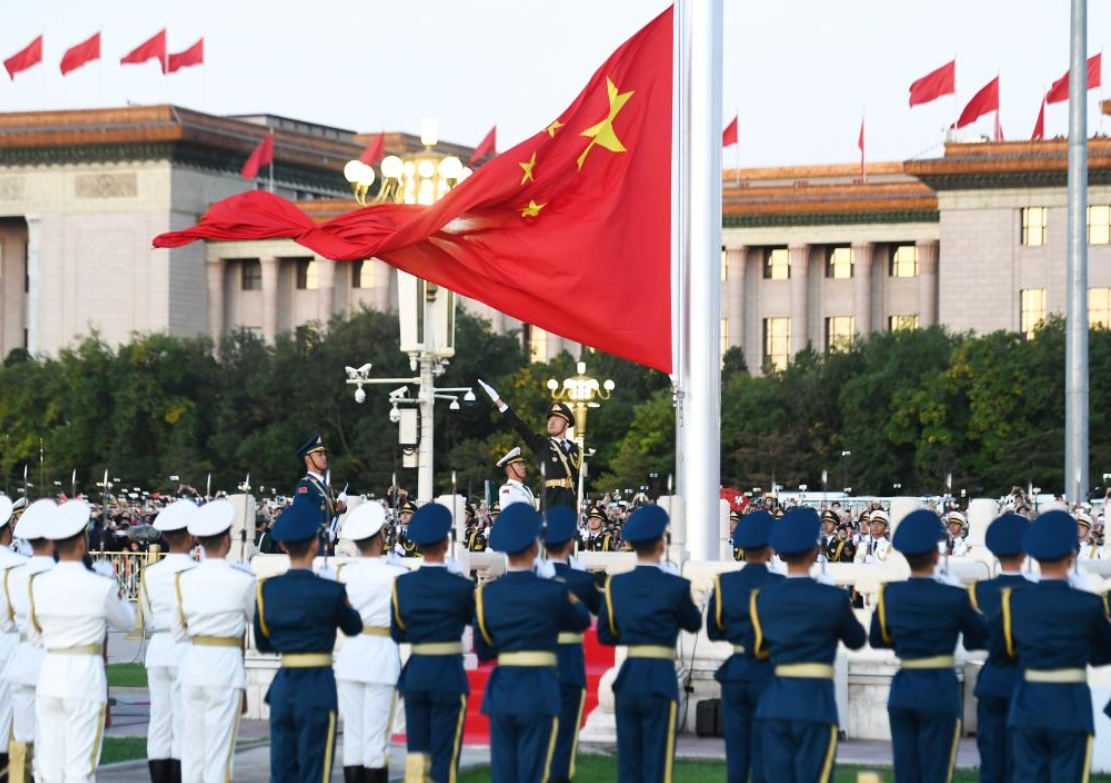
<point>933,85</point>
<point>1060,90</point>
<point>82,53</point>
<point>194,55</point>
<point>374,151</point>
<point>984,102</point>
<point>485,147</point>
<point>729,135</point>
<point>151,49</point>
<point>262,155</point>
<point>860,144</point>
<point>25,58</point>
<point>1039,126</point>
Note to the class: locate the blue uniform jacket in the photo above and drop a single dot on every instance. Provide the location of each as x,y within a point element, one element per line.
<point>922,618</point>
<point>798,620</point>
<point>646,606</point>
<point>728,619</point>
<point>1001,673</point>
<point>572,664</point>
<point>522,612</point>
<point>320,493</point>
<point>430,605</point>
<point>1049,625</point>
<point>298,612</point>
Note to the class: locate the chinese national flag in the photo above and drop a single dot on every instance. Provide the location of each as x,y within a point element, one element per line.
<point>153,48</point>
<point>263,155</point>
<point>1039,126</point>
<point>729,135</point>
<point>84,52</point>
<point>194,55</point>
<point>570,230</point>
<point>374,151</point>
<point>25,58</point>
<point>485,147</point>
<point>1060,90</point>
<point>933,85</point>
<point>983,102</point>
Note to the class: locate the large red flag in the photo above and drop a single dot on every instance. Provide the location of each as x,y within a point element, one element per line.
<point>570,230</point>
<point>194,55</point>
<point>374,151</point>
<point>485,147</point>
<point>263,155</point>
<point>1060,89</point>
<point>24,58</point>
<point>84,52</point>
<point>933,85</point>
<point>729,135</point>
<point>983,102</point>
<point>1039,125</point>
<point>153,48</point>
<point>860,146</point>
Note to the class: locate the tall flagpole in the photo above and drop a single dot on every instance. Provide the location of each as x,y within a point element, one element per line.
<point>701,432</point>
<point>1076,265</point>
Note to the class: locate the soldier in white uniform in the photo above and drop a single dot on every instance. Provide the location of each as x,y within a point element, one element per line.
<point>22,671</point>
<point>158,603</point>
<point>9,634</point>
<point>955,544</point>
<point>1089,549</point>
<point>369,664</point>
<point>215,604</point>
<point>873,547</point>
<point>514,490</point>
<point>71,608</point>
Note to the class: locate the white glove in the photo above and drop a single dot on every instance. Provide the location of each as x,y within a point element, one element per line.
<point>399,550</point>
<point>327,572</point>
<point>104,568</point>
<point>544,568</point>
<point>1084,581</point>
<point>455,567</point>
<point>825,578</point>
<point>575,563</point>
<point>669,568</point>
<point>242,565</point>
<point>947,578</point>
<point>493,395</point>
<point>393,559</point>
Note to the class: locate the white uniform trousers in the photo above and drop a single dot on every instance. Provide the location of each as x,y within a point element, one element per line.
<point>23,712</point>
<point>164,732</point>
<point>67,742</point>
<point>209,725</point>
<point>368,711</point>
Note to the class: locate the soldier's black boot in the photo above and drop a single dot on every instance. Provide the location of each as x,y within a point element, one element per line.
<point>351,774</point>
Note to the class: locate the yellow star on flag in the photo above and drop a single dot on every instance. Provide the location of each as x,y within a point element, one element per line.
<point>527,168</point>
<point>553,127</point>
<point>532,210</point>
<point>603,133</point>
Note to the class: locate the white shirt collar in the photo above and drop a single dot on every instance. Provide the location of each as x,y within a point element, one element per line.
<point>316,476</point>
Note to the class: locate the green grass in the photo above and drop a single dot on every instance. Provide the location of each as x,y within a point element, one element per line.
<point>127,675</point>
<point>123,749</point>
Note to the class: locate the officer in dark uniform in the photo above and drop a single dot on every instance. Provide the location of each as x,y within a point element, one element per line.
<point>558,453</point>
<point>404,544</point>
<point>842,549</point>
<point>645,609</point>
<point>743,678</point>
<point>596,538</point>
<point>738,550</point>
<point>798,623</point>
<point>315,485</point>
<point>1055,632</point>
<point>297,614</point>
<point>1000,676</point>
<point>519,618</point>
<point>921,619</point>
<point>830,521</point>
<point>430,609</point>
<point>559,538</point>
<point>477,538</point>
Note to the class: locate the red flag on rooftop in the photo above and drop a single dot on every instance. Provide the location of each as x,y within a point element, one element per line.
<point>1060,89</point>
<point>374,151</point>
<point>1039,125</point>
<point>983,102</point>
<point>153,48</point>
<point>263,155</point>
<point>860,145</point>
<point>933,85</point>
<point>570,230</point>
<point>486,146</point>
<point>24,58</point>
<point>84,52</point>
<point>194,55</point>
<point>729,135</point>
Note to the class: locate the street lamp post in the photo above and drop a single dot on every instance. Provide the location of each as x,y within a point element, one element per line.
<point>581,392</point>
<point>844,468</point>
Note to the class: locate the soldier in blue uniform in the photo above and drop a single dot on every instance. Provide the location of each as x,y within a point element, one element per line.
<point>798,623</point>
<point>403,543</point>
<point>430,609</point>
<point>559,539</point>
<point>645,609</point>
<point>314,485</point>
<point>921,619</point>
<point>1055,632</point>
<point>1000,676</point>
<point>743,677</point>
<point>519,618</point>
<point>297,614</point>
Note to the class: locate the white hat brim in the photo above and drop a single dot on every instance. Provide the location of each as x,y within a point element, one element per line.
<point>214,518</point>
<point>35,520</point>
<point>176,516</point>
<point>70,518</point>
<point>363,522</point>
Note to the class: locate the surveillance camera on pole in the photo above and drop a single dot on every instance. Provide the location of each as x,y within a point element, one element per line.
<point>360,395</point>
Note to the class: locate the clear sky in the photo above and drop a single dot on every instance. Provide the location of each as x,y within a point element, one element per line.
<point>799,72</point>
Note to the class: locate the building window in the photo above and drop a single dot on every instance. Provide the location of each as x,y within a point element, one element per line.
<point>777,342</point>
<point>839,263</point>
<point>306,275</point>
<point>897,322</point>
<point>362,274</point>
<point>777,264</point>
<point>1033,226</point>
<point>1099,225</point>
<point>839,332</point>
<point>537,344</point>
<point>1099,308</point>
<point>904,261</point>
<point>251,275</point>
<point>1032,304</point>
<point>724,265</point>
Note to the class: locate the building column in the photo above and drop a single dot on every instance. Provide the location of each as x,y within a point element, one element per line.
<point>799,257</point>
<point>34,283</point>
<point>215,273</point>
<point>862,288</point>
<point>735,294</point>
<point>381,284</point>
<point>927,283</point>
<point>326,289</point>
<point>270,270</point>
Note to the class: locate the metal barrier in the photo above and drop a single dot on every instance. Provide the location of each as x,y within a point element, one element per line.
<point>129,567</point>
